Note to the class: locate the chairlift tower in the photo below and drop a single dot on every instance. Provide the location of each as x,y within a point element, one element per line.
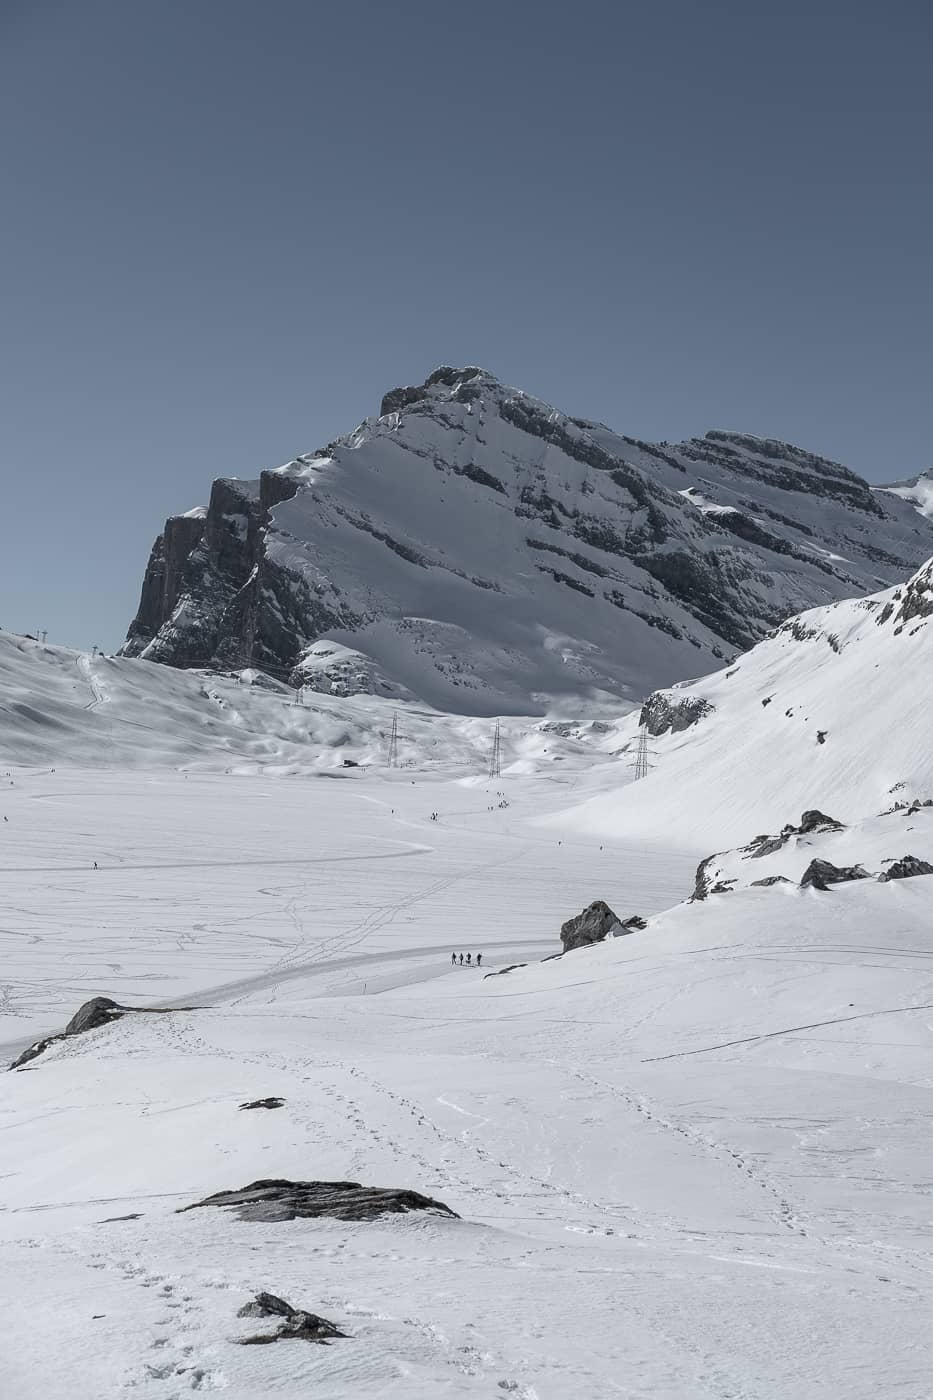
<point>495,761</point>
<point>393,743</point>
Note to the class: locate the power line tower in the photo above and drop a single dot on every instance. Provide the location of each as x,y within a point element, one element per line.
<point>393,743</point>
<point>641,764</point>
<point>495,760</point>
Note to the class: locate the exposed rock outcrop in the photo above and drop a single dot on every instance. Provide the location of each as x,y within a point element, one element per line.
<point>812,822</point>
<point>706,883</point>
<point>664,712</point>
<point>820,874</point>
<point>595,923</point>
<point>905,869</point>
<point>99,1011</point>
<point>271,1102</point>
<point>296,1324</point>
<point>280,1199</point>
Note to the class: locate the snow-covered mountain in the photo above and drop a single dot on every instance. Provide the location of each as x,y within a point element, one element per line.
<point>476,548</point>
<point>832,713</point>
<point>918,490</point>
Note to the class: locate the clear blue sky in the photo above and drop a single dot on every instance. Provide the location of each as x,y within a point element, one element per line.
<point>229,226</point>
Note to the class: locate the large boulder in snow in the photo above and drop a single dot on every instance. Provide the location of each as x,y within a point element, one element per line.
<point>906,868</point>
<point>99,1011</point>
<point>595,923</point>
<point>815,820</point>
<point>343,1200</point>
<point>820,874</point>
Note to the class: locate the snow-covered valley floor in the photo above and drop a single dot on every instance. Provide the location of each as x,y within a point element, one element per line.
<point>690,1163</point>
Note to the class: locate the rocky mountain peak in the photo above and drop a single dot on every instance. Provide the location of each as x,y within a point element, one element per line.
<point>477,548</point>
<point>445,377</point>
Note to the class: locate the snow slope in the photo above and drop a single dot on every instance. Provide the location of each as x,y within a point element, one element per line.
<point>488,553</point>
<point>832,712</point>
<point>71,708</point>
<point>918,490</point>
<point>692,1163</point>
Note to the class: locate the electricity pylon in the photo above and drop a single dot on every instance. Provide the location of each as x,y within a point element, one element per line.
<point>393,743</point>
<point>641,764</point>
<point>495,761</point>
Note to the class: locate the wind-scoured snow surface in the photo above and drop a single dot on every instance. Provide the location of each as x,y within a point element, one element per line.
<point>488,553</point>
<point>691,1163</point>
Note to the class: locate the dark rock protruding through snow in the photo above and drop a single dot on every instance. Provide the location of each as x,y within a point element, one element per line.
<point>820,874</point>
<point>280,1199</point>
<point>296,1324</point>
<point>595,923</point>
<point>906,868</point>
<point>99,1011</point>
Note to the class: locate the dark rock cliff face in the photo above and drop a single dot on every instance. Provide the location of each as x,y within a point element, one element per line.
<point>208,596</point>
<point>664,712</point>
<point>458,535</point>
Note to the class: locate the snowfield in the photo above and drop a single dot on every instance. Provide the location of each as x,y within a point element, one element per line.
<point>690,1163</point>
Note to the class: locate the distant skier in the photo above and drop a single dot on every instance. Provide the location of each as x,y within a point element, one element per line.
<point>95,865</point>
<point>453,958</point>
<point>469,958</point>
<point>461,959</point>
<point>479,959</point>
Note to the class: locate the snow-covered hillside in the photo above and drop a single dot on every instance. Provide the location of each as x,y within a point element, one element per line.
<point>486,553</point>
<point>832,712</point>
<point>61,707</point>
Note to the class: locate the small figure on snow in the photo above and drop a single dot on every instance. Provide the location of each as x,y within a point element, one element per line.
<point>469,958</point>
<point>453,958</point>
<point>461,959</point>
<point>479,959</point>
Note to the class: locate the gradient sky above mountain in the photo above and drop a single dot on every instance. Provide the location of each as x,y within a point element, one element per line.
<point>231,226</point>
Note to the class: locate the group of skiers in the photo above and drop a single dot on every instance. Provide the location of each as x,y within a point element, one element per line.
<point>457,958</point>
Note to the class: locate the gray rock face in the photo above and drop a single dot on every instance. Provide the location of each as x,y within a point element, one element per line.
<point>905,869</point>
<point>96,1012</point>
<point>664,712</point>
<point>615,532</point>
<point>812,821</point>
<point>773,880</point>
<point>271,1102</point>
<point>274,1200</point>
<point>296,1323</point>
<point>211,598</point>
<point>99,1011</point>
<point>706,884</point>
<point>595,923</point>
<point>820,874</point>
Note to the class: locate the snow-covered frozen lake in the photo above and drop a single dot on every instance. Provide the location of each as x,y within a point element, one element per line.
<point>691,1163</point>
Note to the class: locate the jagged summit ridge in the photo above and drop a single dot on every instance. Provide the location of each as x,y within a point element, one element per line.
<point>485,552</point>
